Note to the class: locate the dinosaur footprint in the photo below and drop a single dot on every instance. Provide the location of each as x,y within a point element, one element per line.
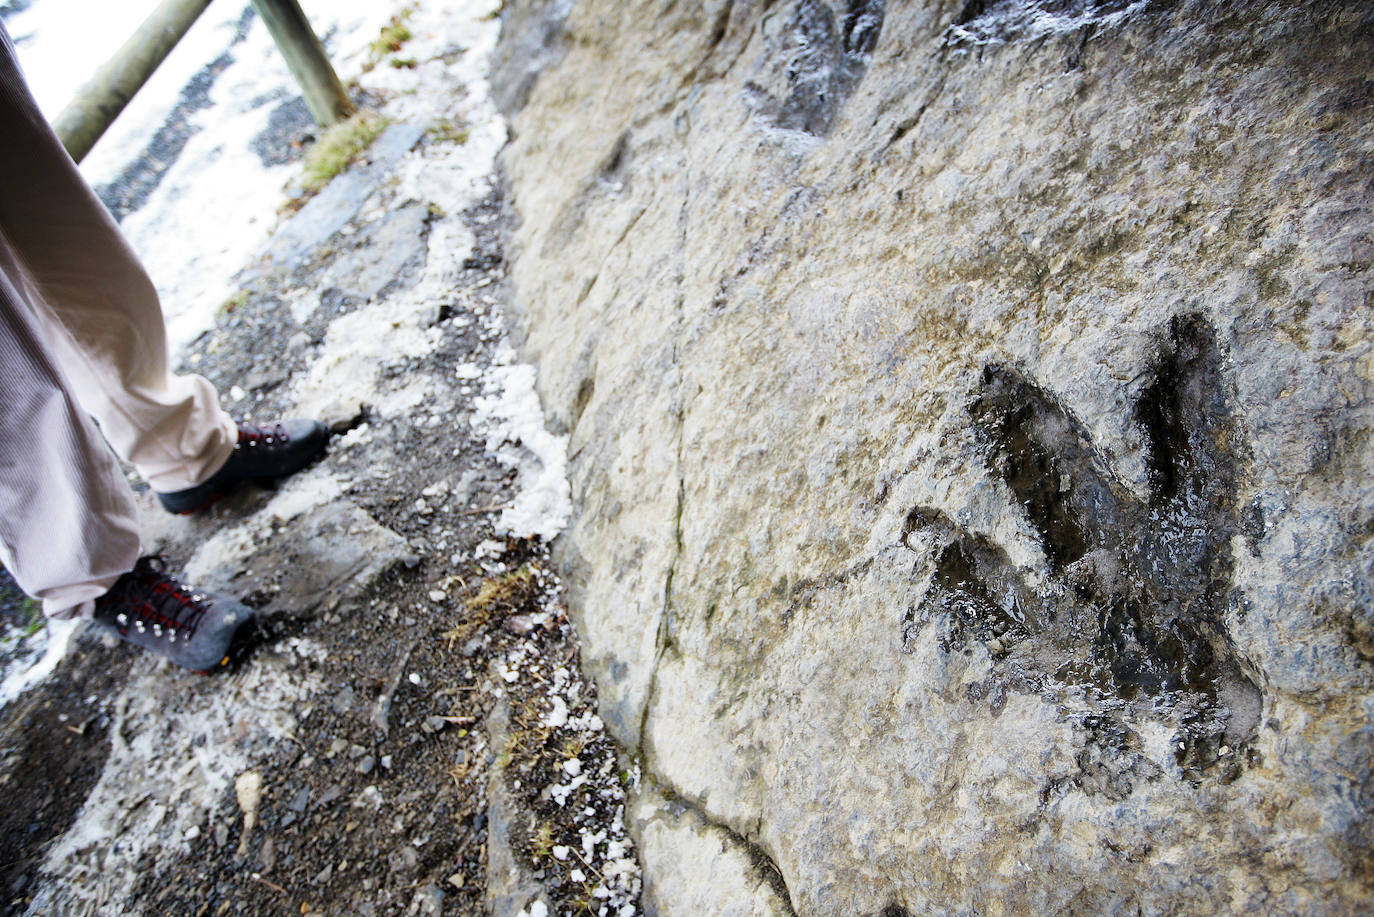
<point>1131,609</point>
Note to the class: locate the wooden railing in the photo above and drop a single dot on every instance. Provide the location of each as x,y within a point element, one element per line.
<point>100,100</point>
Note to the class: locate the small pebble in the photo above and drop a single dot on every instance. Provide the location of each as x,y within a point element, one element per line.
<point>520,625</point>
<point>300,801</point>
<point>367,765</point>
<point>414,678</point>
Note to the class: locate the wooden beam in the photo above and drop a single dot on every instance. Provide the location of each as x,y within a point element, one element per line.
<point>100,100</point>
<point>304,54</point>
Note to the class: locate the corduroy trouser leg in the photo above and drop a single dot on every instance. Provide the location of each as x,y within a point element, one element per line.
<point>81,336</point>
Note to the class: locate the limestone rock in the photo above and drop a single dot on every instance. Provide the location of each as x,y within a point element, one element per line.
<point>700,868</point>
<point>970,412</point>
<point>331,555</point>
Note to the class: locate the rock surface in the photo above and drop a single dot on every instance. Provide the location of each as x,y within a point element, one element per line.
<point>970,414</point>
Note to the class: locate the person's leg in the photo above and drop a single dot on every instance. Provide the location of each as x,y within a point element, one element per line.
<point>68,526</point>
<point>81,333</point>
<point>97,307</point>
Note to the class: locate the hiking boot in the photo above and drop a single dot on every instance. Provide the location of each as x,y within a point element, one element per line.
<point>262,454</point>
<point>148,608</point>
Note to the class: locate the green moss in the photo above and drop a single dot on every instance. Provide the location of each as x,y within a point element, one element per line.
<point>31,622</point>
<point>338,147</point>
<point>447,130</point>
<point>392,37</point>
<point>233,302</point>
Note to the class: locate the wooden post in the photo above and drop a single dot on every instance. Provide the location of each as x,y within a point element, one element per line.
<point>305,56</point>
<point>103,97</point>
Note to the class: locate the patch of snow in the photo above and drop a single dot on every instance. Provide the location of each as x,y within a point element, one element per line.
<point>358,346</point>
<point>1026,20</point>
<point>559,793</point>
<point>302,493</point>
<point>558,716</point>
<point>175,749</point>
<point>41,653</point>
<point>587,722</point>
<point>512,421</point>
<point>589,841</point>
<point>358,436</point>
<point>489,547</point>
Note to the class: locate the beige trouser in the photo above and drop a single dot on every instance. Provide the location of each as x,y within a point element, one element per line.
<point>81,336</point>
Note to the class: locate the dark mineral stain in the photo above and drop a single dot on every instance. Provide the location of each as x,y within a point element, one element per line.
<point>823,57</point>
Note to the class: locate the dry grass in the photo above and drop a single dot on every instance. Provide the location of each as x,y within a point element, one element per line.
<point>495,597</point>
<point>339,146</point>
<point>391,39</point>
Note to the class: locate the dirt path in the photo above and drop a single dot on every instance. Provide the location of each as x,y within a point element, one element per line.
<point>411,734</point>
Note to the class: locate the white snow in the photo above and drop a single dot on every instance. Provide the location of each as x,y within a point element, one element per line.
<point>512,420</point>
<point>42,652</point>
<point>197,742</point>
<point>489,547</point>
<point>559,793</point>
<point>1025,20</point>
<point>558,716</point>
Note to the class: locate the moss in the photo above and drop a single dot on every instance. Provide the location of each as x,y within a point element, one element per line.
<point>500,595</point>
<point>233,302</point>
<point>338,147</point>
<point>508,591</point>
<point>391,39</point>
<point>31,621</point>
<point>447,130</point>
<point>34,621</point>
